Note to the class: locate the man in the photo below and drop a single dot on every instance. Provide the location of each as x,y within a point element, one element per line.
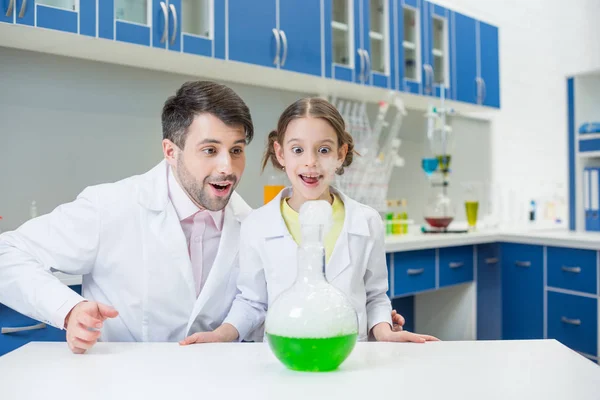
<point>158,251</point>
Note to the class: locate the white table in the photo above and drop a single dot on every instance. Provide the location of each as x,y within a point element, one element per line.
<point>541,369</point>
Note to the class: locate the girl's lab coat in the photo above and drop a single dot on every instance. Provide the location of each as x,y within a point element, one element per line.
<point>268,265</point>
<point>126,240</point>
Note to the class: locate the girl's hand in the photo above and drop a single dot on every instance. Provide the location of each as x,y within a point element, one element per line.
<point>383,333</point>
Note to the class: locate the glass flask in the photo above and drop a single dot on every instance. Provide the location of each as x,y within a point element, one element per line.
<point>312,326</point>
<point>440,210</point>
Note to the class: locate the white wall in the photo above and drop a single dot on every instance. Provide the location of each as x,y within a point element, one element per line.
<point>541,42</point>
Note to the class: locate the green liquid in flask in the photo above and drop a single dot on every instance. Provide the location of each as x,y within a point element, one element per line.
<point>312,354</point>
<point>444,163</point>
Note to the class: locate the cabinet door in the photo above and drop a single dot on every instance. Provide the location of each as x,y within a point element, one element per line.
<point>465,74</point>
<point>362,46</point>
<point>573,321</point>
<point>522,291</point>
<point>490,65</point>
<point>489,292</point>
<point>408,59</point>
<point>142,22</point>
<point>251,36</point>
<point>300,26</point>
<point>64,15</point>
<point>198,25</point>
<point>7,11</point>
<point>381,25</point>
<point>341,54</point>
<point>440,26</point>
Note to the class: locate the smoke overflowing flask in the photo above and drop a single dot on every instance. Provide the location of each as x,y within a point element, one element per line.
<point>312,326</point>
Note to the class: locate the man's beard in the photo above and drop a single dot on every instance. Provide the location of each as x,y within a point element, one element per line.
<point>200,193</point>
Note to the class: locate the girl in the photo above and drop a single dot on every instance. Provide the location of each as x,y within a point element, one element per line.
<point>311,146</point>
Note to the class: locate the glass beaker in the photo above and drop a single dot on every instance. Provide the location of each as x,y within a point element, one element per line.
<point>440,211</point>
<point>471,196</point>
<point>275,183</point>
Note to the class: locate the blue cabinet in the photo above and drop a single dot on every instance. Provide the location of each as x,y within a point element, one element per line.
<point>300,29</point>
<point>10,340</point>
<point>490,65</point>
<point>456,265</point>
<point>465,74</point>
<point>359,46</point>
<point>573,321</point>
<point>253,35</point>
<point>477,72</point>
<point>489,292</point>
<point>436,49</point>
<point>414,271</point>
<point>522,291</point>
<point>408,59</point>
<point>143,22</point>
<point>64,15</point>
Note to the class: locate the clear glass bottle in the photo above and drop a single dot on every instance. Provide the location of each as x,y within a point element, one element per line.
<point>312,326</point>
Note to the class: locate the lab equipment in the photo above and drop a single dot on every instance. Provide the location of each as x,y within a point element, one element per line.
<point>312,326</point>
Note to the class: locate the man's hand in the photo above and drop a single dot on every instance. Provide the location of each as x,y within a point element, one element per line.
<point>398,321</point>
<point>224,333</point>
<point>83,324</point>
<point>383,333</point>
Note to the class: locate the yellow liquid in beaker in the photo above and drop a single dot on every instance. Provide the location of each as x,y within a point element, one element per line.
<point>271,191</point>
<point>471,208</point>
<point>444,163</point>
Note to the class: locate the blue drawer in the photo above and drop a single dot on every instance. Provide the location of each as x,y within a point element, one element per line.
<point>9,318</point>
<point>572,269</point>
<point>414,271</point>
<point>573,321</point>
<point>456,265</point>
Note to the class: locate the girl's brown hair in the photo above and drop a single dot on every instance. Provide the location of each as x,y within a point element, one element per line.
<point>314,107</point>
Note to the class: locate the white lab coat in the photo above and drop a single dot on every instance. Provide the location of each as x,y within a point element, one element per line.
<point>126,240</point>
<point>268,265</point>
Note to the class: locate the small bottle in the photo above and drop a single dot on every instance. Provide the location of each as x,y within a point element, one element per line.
<point>532,211</point>
<point>404,216</point>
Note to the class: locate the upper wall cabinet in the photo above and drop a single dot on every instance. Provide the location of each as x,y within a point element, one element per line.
<point>413,46</point>
<point>191,26</point>
<point>283,34</point>
<point>74,16</point>
<point>477,72</point>
<point>359,45</point>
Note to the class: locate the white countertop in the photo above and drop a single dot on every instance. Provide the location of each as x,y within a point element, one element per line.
<point>541,369</point>
<point>563,238</point>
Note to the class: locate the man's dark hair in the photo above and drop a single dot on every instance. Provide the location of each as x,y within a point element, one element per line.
<point>194,98</point>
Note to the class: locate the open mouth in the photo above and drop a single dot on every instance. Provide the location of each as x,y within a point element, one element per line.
<point>311,179</point>
<point>221,188</point>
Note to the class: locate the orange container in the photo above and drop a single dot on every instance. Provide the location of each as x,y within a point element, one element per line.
<point>271,191</point>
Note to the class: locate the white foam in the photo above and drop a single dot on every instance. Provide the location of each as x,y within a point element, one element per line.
<point>311,311</point>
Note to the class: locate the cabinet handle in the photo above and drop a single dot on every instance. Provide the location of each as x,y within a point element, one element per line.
<point>483,90</point>
<point>278,48</point>
<point>361,76</point>
<point>566,320</point>
<point>175,23</point>
<point>285,47</point>
<point>368,61</point>
<point>23,8</point>
<point>23,328</point>
<point>163,5</point>
<point>11,5</point>
<point>479,90</point>
<point>412,271</point>
<point>523,264</point>
<point>456,264</point>
<point>490,261</point>
<point>575,270</point>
